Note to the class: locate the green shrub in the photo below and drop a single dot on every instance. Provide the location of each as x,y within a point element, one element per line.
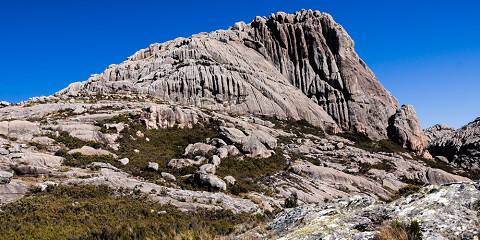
<point>73,142</point>
<point>249,172</point>
<point>98,212</point>
<point>364,142</point>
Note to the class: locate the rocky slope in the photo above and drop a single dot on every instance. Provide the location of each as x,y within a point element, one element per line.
<point>459,147</point>
<point>253,121</point>
<point>292,66</point>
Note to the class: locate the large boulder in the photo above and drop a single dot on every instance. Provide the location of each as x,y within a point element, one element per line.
<point>210,180</point>
<point>405,130</point>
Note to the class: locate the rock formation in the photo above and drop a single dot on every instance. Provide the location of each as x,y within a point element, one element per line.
<point>405,129</point>
<point>461,147</point>
<point>297,66</point>
<point>190,123</point>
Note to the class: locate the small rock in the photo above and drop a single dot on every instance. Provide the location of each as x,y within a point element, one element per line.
<point>140,134</point>
<point>136,151</point>
<point>442,159</point>
<point>232,150</point>
<point>217,142</point>
<point>153,166</point>
<point>216,160</point>
<point>4,151</point>
<point>5,177</point>
<point>340,145</point>
<point>208,168</point>
<point>222,152</point>
<point>98,165</point>
<point>230,180</point>
<point>181,163</point>
<point>168,177</point>
<point>124,161</point>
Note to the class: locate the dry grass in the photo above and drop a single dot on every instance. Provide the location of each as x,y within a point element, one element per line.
<point>395,230</point>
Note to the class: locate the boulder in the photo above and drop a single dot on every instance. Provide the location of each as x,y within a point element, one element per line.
<point>5,177</point>
<point>255,148</point>
<point>230,180</point>
<point>181,163</point>
<point>89,151</point>
<point>124,161</point>
<point>232,134</point>
<point>153,166</point>
<point>210,180</point>
<point>216,160</point>
<point>405,130</point>
<point>208,168</point>
<point>198,149</point>
<point>168,177</point>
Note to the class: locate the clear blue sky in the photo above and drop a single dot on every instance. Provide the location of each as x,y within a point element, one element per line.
<point>427,53</point>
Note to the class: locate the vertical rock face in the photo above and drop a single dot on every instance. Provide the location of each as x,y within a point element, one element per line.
<point>296,66</point>
<point>404,129</point>
<point>317,56</point>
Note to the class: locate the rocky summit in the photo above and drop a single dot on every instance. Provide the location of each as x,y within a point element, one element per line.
<point>274,129</point>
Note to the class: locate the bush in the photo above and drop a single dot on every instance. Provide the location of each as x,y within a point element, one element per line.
<point>250,172</point>
<point>396,230</point>
<point>291,201</point>
<point>98,212</point>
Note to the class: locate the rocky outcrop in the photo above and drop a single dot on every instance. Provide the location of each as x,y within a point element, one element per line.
<point>461,147</point>
<point>437,132</point>
<point>404,128</point>
<point>297,66</point>
<point>438,210</point>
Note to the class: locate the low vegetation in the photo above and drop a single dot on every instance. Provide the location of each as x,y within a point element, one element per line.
<point>291,201</point>
<point>383,165</point>
<point>72,142</point>
<point>98,212</point>
<point>396,230</point>
<point>163,145</point>
<point>364,142</point>
<point>250,172</point>
<point>299,127</point>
